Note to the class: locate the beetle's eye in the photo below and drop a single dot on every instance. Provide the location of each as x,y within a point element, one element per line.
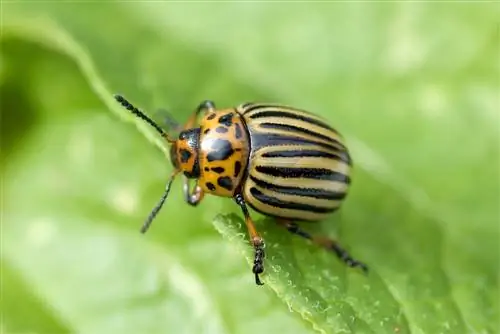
<point>173,155</point>
<point>189,133</point>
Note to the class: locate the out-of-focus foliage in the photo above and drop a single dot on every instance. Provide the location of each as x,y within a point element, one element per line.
<point>412,86</point>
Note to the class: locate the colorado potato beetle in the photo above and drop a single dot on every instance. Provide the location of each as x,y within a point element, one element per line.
<point>281,161</point>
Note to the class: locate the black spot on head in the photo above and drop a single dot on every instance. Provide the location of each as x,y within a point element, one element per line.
<point>237,168</point>
<point>225,182</point>
<point>218,170</point>
<point>211,117</point>
<point>238,131</point>
<point>185,155</point>
<point>206,169</point>
<point>206,131</point>
<point>221,150</point>
<point>226,119</point>
<point>221,129</point>
<point>210,186</point>
<point>195,171</point>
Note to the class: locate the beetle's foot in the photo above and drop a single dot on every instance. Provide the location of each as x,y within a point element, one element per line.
<point>258,263</point>
<point>356,264</point>
<point>348,259</point>
<point>258,269</point>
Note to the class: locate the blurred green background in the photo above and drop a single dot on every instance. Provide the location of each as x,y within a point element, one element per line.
<point>413,86</point>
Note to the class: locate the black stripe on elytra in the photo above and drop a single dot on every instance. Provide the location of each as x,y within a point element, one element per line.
<point>249,107</point>
<point>307,192</point>
<point>308,173</point>
<point>221,149</point>
<point>293,128</point>
<point>300,153</point>
<point>246,105</point>
<point>211,116</point>
<point>279,113</point>
<point>273,201</point>
<point>271,139</point>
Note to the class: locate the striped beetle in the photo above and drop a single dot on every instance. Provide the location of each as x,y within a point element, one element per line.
<point>281,161</point>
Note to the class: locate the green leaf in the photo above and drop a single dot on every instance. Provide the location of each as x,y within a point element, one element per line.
<point>412,86</point>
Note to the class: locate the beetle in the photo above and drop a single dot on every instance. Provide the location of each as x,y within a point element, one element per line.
<point>281,161</point>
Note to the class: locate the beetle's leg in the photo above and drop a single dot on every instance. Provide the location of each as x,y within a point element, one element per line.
<point>324,242</point>
<point>202,107</point>
<point>193,197</point>
<point>257,241</point>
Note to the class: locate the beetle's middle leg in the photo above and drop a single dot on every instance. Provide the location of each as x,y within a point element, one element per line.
<point>257,241</point>
<point>192,197</point>
<point>324,242</point>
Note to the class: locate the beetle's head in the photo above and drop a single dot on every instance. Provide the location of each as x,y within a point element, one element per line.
<point>184,153</point>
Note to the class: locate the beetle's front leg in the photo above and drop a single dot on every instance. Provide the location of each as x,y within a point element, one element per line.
<point>193,197</point>
<point>257,241</point>
<point>207,106</point>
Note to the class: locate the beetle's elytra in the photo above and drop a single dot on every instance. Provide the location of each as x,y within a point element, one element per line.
<point>281,161</point>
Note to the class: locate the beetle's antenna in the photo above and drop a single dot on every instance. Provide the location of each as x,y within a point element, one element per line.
<point>158,206</point>
<point>130,107</point>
